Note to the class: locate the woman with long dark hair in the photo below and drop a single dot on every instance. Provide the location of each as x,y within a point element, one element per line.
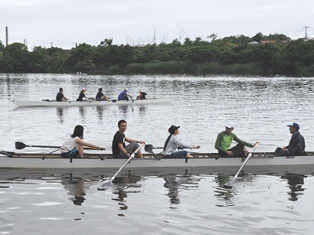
<point>172,143</point>
<point>73,146</point>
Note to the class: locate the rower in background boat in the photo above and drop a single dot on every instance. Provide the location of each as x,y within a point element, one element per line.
<point>119,149</point>
<point>100,96</point>
<point>224,140</point>
<point>172,143</point>
<point>141,95</point>
<point>60,96</point>
<point>73,146</point>
<point>124,95</point>
<point>296,145</point>
<point>82,95</point>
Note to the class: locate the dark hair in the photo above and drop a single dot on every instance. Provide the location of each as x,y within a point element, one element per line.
<point>61,89</point>
<point>120,122</point>
<point>100,89</point>
<point>78,131</point>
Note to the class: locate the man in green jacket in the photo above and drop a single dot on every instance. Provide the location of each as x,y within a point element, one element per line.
<point>224,140</point>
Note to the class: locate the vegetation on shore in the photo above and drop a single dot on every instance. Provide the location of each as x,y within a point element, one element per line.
<point>272,55</point>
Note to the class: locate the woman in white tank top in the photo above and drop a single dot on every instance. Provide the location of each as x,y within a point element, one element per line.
<point>73,146</point>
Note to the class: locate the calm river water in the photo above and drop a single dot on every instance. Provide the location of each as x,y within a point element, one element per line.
<point>174,202</point>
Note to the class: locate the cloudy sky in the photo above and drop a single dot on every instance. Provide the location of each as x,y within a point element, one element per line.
<point>63,23</point>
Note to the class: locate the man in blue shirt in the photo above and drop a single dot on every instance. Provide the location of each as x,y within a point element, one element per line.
<point>296,145</point>
<point>124,95</point>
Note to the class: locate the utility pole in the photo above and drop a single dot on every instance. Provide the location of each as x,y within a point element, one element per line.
<point>306,27</point>
<point>6,36</point>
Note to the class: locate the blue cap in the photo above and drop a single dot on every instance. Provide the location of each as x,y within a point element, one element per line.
<point>296,125</point>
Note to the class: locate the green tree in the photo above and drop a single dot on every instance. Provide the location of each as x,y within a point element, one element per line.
<point>258,37</point>
<point>82,54</point>
<point>38,60</point>
<point>15,58</point>
<point>1,46</point>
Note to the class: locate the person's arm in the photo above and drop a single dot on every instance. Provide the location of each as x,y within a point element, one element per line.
<point>84,143</point>
<point>176,141</point>
<point>123,150</point>
<point>134,141</point>
<point>235,138</point>
<point>218,142</point>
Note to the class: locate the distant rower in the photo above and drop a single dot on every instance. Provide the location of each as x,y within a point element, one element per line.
<point>82,95</point>
<point>141,95</point>
<point>100,96</point>
<point>124,95</point>
<point>60,96</point>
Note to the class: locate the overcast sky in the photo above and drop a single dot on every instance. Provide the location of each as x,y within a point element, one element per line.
<point>63,23</point>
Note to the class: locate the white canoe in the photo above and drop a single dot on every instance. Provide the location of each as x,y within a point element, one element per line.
<point>53,103</point>
<point>260,162</point>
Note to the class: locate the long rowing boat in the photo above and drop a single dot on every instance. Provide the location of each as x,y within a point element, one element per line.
<point>53,103</point>
<point>260,162</point>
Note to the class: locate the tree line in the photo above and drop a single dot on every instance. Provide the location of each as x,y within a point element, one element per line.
<point>230,55</point>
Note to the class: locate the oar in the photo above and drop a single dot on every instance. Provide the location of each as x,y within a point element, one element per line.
<point>21,145</point>
<point>107,184</point>
<point>230,182</point>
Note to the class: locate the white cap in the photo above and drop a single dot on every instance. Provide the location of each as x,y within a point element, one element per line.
<point>230,125</point>
<point>126,89</point>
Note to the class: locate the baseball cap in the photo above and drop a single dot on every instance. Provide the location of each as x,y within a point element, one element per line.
<point>173,128</point>
<point>296,125</point>
<point>230,125</point>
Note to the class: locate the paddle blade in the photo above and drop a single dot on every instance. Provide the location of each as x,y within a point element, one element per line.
<point>148,148</point>
<point>229,184</point>
<point>106,185</point>
<point>19,145</point>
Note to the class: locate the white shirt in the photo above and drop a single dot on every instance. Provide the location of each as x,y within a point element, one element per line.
<point>69,144</point>
<point>173,144</point>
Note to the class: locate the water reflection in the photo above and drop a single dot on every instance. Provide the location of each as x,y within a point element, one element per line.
<point>121,185</point>
<point>82,113</point>
<point>60,115</point>
<point>142,110</point>
<point>123,108</point>
<point>295,183</point>
<point>220,192</point>
<point>100,111</point>
<point>76,187</point>
<point>174,183</point>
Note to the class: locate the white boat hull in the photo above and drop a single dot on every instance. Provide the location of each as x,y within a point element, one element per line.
<point>297,164</point>
<point>89,103</point>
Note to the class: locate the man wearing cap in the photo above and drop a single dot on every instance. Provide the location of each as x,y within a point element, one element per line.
<point>224,140</point>
<point>124,95</point>
<point>296,145</point>
<point>172,143</point>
